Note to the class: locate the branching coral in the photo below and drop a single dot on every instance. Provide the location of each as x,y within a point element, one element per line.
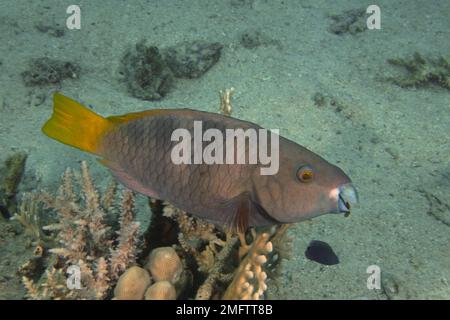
<point>28,215</point>
<point>259,260</point>
<point>205,262</point>
<point>249,282</point>
<point>85,240</point>
<point>197,237</point>
<point>126,250</point>
<point>215,273</point>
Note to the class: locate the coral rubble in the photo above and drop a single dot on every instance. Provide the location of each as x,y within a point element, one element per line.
<point>146,72</point>
<point>44,71</point>
<point>192,59</point>
<point>422,72</point>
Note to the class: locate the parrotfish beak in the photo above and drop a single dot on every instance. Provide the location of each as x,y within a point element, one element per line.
<point>347,196</point>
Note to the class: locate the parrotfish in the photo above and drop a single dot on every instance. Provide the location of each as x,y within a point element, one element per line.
<point>138,150</point>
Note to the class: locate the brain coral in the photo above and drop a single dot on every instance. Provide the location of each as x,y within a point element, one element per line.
<point>132,284</point>
<point>164,264</point>
<point>161,290</point>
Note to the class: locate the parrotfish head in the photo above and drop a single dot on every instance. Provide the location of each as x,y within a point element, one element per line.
<point>305,186</point>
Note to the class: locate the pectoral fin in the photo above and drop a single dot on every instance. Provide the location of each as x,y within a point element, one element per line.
<point>244,212</point>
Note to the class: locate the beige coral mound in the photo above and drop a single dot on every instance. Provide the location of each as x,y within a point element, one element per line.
<point>164,264</point>
<point>132,284</point>
<point>161,290</point>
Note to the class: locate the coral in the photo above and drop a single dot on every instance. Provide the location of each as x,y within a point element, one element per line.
<point>197,237</point>
<point>35,265</point>
<point>422,72</point>
<point>351,21</point>
<point>81,224</point>
<point>260,261</point>
<point>257,260</point>
<point>126,249</point>
<point>225,101</point>
<point>203,261</point>
<point>249,282</point>
<point>161,290</point>
<point>132,284</point>
<point>85,241</point>
<point>14,167</point>
<point>282,248</point>
<point>146,73</point>
<point>164,264</point>
<point>29,217</point>
<point>44,71</point>
<point>192,59</point>
<point>215,273</point>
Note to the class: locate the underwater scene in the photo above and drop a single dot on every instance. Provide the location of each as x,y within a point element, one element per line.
<point>224,150</point>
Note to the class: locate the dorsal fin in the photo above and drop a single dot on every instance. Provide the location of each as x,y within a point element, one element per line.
<point>136,115</point>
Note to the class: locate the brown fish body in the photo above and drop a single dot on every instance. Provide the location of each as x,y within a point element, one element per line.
<point>138,150</point>
<point>142,148</point>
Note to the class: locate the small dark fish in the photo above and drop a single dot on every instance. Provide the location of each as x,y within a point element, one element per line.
<point>321,252</point>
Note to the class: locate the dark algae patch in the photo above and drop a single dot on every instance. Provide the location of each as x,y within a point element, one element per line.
<point>10,176</point>
<point>351,21</point>
<point>420,71</point>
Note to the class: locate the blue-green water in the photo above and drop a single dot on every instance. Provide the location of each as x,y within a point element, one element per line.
<point>312,69</point>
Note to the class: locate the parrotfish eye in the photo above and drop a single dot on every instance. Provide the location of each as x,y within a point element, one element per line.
<point>305,174</point>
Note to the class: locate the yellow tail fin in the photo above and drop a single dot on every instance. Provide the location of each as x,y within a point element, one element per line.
<point>75,125</point>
